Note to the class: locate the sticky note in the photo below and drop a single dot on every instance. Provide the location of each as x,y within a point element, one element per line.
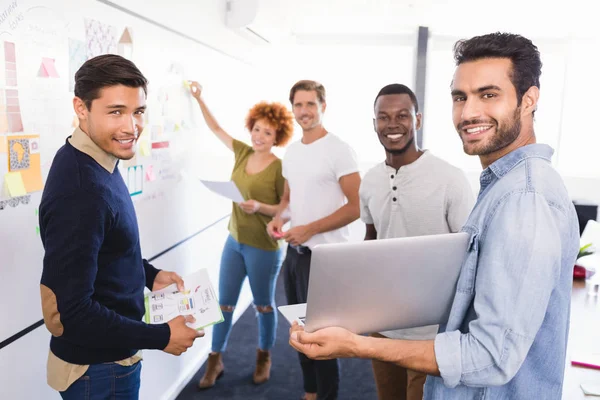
<point>126,37</point>
<point>145,148</point>
<point>15,185</point>
<point>47,69</point>
<point>186,84</point>
<point>150,177</point>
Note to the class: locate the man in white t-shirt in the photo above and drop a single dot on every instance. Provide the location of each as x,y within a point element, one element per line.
<point>321,193</point>
<point>411,193</point>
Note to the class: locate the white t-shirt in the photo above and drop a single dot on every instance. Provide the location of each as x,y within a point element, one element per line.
<point>427,197</point>
<point>313,172</point>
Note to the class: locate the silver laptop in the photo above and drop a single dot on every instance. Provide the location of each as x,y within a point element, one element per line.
<point>381,285</point>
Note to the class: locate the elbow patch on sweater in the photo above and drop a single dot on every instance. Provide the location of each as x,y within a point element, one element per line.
<point>50,311</point>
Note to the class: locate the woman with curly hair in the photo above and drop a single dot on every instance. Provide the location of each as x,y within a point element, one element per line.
<point>249,250</point>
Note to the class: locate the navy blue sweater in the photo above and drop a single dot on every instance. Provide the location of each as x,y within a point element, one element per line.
<point>93,263</point>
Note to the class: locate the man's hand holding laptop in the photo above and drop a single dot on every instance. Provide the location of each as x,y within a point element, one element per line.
<point>326,343</point>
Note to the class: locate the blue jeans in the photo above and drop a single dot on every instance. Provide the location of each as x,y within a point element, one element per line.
<point>106,381</point>
<point>262,267</point>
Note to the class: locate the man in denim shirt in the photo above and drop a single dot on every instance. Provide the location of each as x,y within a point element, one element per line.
<point>506,336</point>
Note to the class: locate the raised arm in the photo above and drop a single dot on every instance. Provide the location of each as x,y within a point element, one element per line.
<point>196,90</point>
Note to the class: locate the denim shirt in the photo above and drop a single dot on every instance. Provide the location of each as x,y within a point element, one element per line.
<point>506,336</point>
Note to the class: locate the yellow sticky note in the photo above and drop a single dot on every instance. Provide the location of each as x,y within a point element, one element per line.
<point>177,127</point>
<point>15,185</point>
<point>145,148</point>
<point>186,84</point>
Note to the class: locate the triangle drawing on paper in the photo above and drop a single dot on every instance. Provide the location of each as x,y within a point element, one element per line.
<point>126,37</point>
<point>47,68</point>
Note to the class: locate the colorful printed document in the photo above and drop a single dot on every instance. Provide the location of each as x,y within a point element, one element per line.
<point>198,300</point>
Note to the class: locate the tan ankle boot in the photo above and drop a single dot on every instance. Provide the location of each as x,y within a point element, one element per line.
<point>214,370</point>
<point>262,373</point>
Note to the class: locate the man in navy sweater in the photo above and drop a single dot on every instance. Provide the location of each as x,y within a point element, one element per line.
<point>93,280</point>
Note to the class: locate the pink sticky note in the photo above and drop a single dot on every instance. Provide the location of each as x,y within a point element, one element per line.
<point>48,69</point>
<point>150,177</point>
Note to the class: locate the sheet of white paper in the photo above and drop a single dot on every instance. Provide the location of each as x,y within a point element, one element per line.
<point>225,189</point>
<point>198,299</point>
<point>591,389</point>
<point>294,312</point>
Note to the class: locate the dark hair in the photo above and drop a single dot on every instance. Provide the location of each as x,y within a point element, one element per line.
<point>308,86</point>
<point>397,88</point>
<point>103,71</point>
<point>524,55</point>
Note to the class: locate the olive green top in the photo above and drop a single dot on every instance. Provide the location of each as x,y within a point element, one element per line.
<point>265,187</point>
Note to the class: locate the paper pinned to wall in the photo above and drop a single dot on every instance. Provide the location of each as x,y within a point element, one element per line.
<point>14,184</point>
<point>77,56</point>
<point>34,146</point>
<point>27,162</point>
<point>3,113</point>
<point>126,36</point>
<point>19,154</point>
<point>100,38</point>
<point>150,176</point>
<point>135,179</point>
<point>145,148</point>
<point>15,124</point>
<point>47,68</point>
<point>125,46</point>
<point>10,61</point>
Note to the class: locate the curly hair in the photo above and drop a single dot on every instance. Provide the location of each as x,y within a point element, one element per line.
<point>275,114</point>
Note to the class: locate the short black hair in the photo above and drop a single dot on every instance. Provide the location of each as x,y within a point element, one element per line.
<point>397,88</point>
<point>103,71</point>
<point>524,55</point>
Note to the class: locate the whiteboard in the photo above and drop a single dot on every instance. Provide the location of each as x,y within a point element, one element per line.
<point>49,38</point>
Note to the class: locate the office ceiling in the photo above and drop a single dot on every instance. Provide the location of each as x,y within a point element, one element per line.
<point>452,18</point>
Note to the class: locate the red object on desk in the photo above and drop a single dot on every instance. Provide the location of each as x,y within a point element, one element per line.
<point>579,272</point>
